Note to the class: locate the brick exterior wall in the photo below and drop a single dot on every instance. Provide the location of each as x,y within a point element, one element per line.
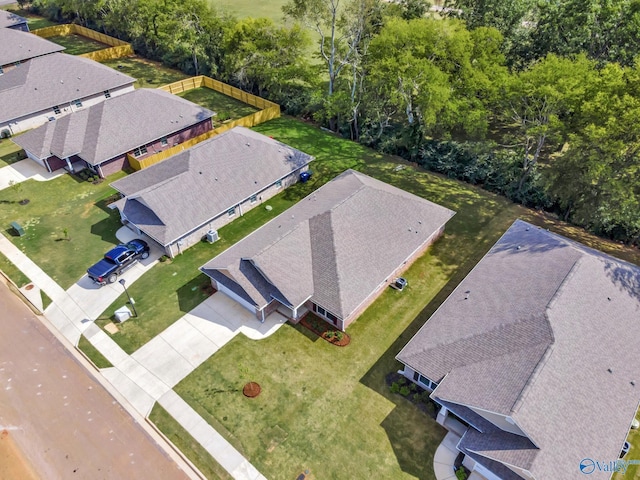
<point>55,163</point>
<point>121,162</point>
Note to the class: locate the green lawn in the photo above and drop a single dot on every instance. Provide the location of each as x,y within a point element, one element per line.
<point>310,414</point>
<point>10,152</point>
<point>11,271</point>
<point>149,74</point>
<point>176,287</point>
<point>92,353</point>
<point>77,44</point>
<point>226,108</point>
<point>55,206</point>
<point>187,444</point>
<point>34,21</point>
<point>247,8</point>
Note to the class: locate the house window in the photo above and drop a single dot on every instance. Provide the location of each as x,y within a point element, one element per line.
<point>56,110</point>
<point>164,142</point>
<point>140,151</point>
<point>279,184</point>
<point>231,212</point>
<point>332,317</point>
<point>1,71</point>
<point>107,94</point>
<point>78,103</point>
<point>253,199</point>
<point>424,381</point>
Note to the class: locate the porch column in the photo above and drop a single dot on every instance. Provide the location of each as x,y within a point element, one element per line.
<point>69,164</point>
<point>442,415</point>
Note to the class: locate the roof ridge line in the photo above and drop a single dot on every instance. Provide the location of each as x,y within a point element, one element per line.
<point>543,360</point>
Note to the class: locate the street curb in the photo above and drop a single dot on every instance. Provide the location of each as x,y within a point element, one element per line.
<point>195,469</point>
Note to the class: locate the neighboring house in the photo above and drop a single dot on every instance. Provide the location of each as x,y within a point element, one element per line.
<point>535,352</point>
<point>11,21</point>
<point>47,87</point>
<point>100,137</point>
<point>180,200</point>
<point>332,253</point>
<point>18,47</point>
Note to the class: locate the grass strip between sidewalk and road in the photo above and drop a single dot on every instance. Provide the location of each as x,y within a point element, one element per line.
<point>93,353</point>
<point>195,452</point>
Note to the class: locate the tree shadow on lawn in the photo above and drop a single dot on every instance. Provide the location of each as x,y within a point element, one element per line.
<point>106,229</point>
<point>375,378</point>
<point>193,293</point>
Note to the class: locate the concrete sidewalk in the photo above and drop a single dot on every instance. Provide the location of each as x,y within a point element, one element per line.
<point>25,170</point>
<point>151,372</point>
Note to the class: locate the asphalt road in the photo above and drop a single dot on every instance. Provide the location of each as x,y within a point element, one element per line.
<point>65,423</point>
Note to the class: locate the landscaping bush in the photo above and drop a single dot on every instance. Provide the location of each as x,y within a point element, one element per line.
<point>461,474</point>
<point>405,391</point>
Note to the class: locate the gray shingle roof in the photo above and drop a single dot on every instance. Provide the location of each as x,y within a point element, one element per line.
<point>337,245</point>
<point>169,199</point>
<point>9,19</point>
<point>18,46</point>
<point>543,320</point>
<point>54,79</point>
<point>113,127</point>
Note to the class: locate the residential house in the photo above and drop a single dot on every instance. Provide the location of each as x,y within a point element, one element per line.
<point>100,137</point>
<point>19,46</point>
<point>332,253</point>
<point>11,21</point>
<point>534,354</point>
<point>180,200</point>
<point>48,87</point>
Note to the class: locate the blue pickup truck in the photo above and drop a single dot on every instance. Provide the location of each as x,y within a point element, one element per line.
<point>118,260</point>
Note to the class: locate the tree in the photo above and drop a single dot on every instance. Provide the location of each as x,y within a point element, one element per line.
<point>544,102</point>
<point>605,30</point>
<point>261,57</point>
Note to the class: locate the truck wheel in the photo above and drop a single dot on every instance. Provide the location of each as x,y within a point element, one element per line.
<point>112,278</point>
<point>144,255</point>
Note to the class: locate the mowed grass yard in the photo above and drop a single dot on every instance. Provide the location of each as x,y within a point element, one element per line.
<point>10,152</point>
<point>225,107</point>
<point>55,206</point>
<point>149,74</point>
<point>77,44</point>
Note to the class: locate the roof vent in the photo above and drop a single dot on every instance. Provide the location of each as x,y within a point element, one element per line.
<point>409,228</point>
<point>420,222</point>
<point>527,229</point>
<point>518,247</point>
<point>633,384</point>
<point>216,179</point>
<point>248,144</point>
<point>466,294</point>
<point>609,370</point>
<point>61,81</point>
<point>609,298</point>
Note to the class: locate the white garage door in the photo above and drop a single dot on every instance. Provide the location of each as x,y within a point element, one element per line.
<point>237,298</point>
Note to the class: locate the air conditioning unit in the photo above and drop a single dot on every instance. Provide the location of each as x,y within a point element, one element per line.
<point>212,236</point>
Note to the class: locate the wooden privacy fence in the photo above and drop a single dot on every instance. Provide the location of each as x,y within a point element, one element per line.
<point>268,110</point>
<point>117,48</point>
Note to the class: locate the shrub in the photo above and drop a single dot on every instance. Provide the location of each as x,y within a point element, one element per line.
<point>461,474</point>
<point>395,388</point>
<point>164,258</point>
<point>339,335</point>
<point>404,391</point>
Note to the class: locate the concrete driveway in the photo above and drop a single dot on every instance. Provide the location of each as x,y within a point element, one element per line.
<point>94,299</point>
<point>182,347</point>
<point>26,170</point>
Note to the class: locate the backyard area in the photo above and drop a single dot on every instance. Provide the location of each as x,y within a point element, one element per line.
<point>10,152</point>
<point>77,44</point>
<point>34,21</point>
<point>67,224</point>
<point>149,74</point>
<point>226,108</point>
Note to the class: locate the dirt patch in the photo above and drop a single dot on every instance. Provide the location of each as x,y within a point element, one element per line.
<point>12,463</point>
<point>326,331</point>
